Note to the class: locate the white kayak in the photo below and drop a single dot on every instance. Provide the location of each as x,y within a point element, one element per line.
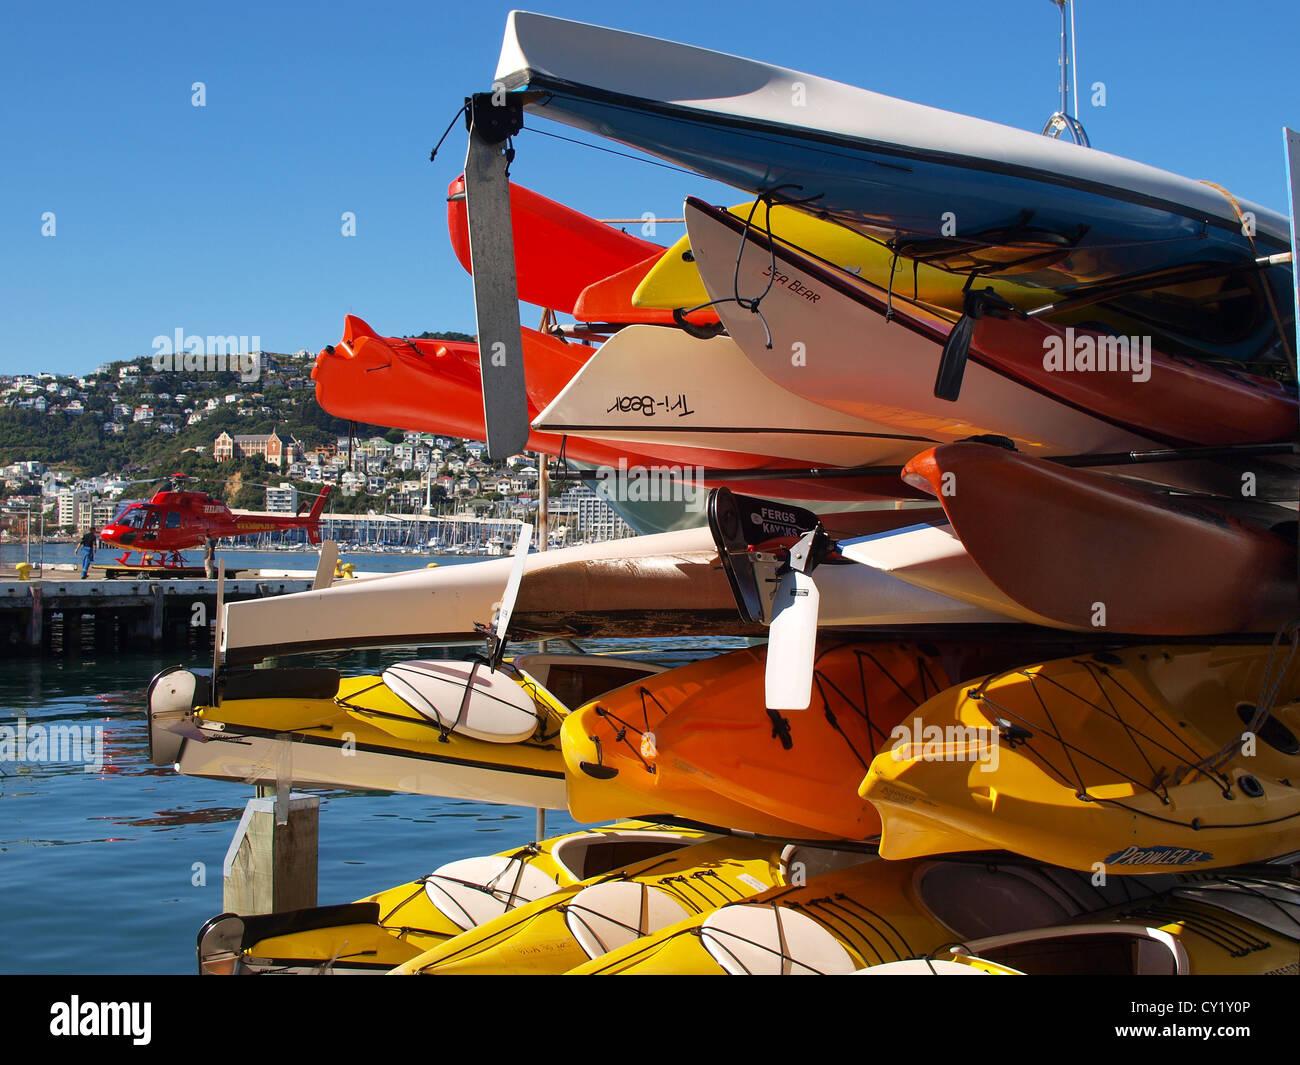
<point>930,555</point>
<point>652,385</point>
<point>856,361</point>
<point>667,584</point>
<point>880,163</point>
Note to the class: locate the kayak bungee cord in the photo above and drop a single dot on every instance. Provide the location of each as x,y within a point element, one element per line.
<point>864,712</point>
<point>673,885</point>
<point>1253,887</point>
<point>768,198</point>
<point>445,731</point>
<point>1158,787</point>
<point>608,151</point>
<point>1270,686</point>
<point>1238,942</point>
<point>620,732</point>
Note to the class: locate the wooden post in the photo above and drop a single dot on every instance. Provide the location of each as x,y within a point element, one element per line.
<point>34,628</point>
<point>543,502</point>
<point>156,616</point>
<point>272,867</point>
<point>543,543</point>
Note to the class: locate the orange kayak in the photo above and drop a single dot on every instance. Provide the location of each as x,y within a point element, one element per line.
<point>558,251</point>
<point>698,742</point>
<point>610,300</point>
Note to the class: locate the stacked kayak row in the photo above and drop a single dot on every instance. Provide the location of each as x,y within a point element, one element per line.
<point>1149,758</point>
<point>755,848</point>
<point>640,898</point>
<point>1038,709</point>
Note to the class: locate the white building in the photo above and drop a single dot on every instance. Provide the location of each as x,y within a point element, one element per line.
<point>68,502</point>
<point>589,515</point>
<point>282,500</point>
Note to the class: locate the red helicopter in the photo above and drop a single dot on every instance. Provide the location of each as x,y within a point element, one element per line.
<point>160,528</point>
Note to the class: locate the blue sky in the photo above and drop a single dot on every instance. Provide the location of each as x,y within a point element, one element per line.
<point>226,219</point>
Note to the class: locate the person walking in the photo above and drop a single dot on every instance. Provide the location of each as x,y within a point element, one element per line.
<point>86,552</point>
<point>209,557</point>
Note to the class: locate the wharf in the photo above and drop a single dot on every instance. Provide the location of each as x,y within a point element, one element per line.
<point>58,613</point>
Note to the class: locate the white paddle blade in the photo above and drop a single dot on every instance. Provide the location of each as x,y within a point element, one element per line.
<point>792,643</point>
<point>512,585</point>
<point>329,560</point>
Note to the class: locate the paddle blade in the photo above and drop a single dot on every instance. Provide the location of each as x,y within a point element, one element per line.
<point>502,621</point>
<point>792,643</point>
<point>952,363</point>
<point>496,289</point>
<point>329,560</point>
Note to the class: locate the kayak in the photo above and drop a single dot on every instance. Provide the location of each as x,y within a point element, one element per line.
<point>610,301</point>
<point>991,915</point>
<point>380,931</point>
<point>558,251</point>
<point>584,920</point>
<point>1026,379</point>
<point>1081,549</point>
<point>696,742</point>
<point>436,386</point>
<point>955,191</point>
<point>1145,760</point>
<point>427,384</point>
<point>930,555</point>
<point>668,584</point>
<point>832,343</point>
<point>445,728</point>
<point>1181,398</point>
<point>674,281</point>
<point>656,388</point>
<point>803,766</point>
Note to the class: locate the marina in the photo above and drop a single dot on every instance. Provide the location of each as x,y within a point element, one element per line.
<point>879,557</point>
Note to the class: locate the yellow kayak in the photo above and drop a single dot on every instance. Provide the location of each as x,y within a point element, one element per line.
<point>383,930</point>
<point>585,920</point>
<point>435,727</point>
<point>674,282</point>
<point>1003,916</point>
<point>1144,760</point>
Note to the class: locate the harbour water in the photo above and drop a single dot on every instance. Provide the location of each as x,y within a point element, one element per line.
<point>113,869</point>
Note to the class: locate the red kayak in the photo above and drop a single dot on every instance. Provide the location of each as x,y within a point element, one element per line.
<point>1090,552</point>
<point>558,251</point>
<point>1166,397</point>
<point>435,386</point>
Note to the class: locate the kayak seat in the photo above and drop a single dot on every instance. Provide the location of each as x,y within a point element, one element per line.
<point>602,852</point>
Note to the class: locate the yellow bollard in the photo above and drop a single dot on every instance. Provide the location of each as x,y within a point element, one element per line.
<point>24,571</point>
<point>347,570</point>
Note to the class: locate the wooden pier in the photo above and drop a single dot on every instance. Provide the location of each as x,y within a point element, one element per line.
<point>57,614</point>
